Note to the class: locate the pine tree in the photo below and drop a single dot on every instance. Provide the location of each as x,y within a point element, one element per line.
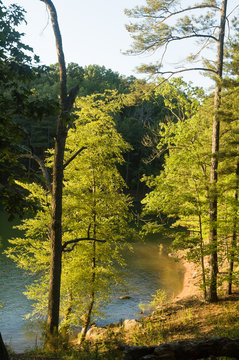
<point>165,22</point>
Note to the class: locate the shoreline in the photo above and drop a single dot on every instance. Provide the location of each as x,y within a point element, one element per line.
<point>189,290</point>
<point>190,287</point>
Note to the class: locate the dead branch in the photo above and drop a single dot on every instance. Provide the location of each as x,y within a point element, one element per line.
<point>188,69</point>
<point>42,167</point>
<point>73,156</point>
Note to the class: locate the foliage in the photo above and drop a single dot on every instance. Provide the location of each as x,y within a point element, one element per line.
<point>158,25</point>
<point>93,203</point>
<point>180,195</point>
<point>159,298</point>
<point>181,190</point>
<point>18,102</point>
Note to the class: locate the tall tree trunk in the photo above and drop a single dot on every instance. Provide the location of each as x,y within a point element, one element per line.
<point>212,293</point>
<point>56,204</point>
<point>234,234</point>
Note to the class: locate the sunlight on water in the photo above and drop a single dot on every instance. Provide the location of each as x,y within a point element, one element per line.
<point>148,269</point>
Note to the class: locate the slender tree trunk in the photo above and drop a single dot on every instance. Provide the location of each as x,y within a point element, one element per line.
<point>234,235</point>
<point>65,332</point>
<point>92,297</point>
<point>127,169</point>
<point>232,257</point>
<point>93,266</point>
<point>202,259</point>
<point>212,293</point>
<point>56,205</point>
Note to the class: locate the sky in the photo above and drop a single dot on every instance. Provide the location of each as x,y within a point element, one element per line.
<point>93,32</point>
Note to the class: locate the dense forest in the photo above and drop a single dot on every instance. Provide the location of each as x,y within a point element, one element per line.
<point>93,161</point>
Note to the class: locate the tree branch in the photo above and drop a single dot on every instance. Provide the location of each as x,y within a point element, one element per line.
<point>42,167</point>
<point>180,71</point>
<point>73,156</point>
<point>189,69</point>
<point>171,14</point>
<point>155,45</point>
<point>75,241</point>
<point>174,38</point>
<point>232,10</point>
<point>199,7</point>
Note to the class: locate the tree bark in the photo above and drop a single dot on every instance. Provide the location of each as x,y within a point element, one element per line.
<point>56,204</point>
<point>234,234</point>
<point>212,293</point>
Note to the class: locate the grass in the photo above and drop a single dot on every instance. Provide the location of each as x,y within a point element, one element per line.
<point>188,318</point>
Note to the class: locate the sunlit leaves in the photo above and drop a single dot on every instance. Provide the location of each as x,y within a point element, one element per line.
<point>94,204</point>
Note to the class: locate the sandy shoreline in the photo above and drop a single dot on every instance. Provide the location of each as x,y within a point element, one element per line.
<point>189,281</point>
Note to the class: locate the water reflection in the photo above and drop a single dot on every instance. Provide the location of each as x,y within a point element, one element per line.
<point>148,270</point>
<point>153,258</point>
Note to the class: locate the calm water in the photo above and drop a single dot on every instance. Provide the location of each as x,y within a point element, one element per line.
<point>148,271</point>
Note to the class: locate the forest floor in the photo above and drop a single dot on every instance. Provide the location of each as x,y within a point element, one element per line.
<point>185,317</point>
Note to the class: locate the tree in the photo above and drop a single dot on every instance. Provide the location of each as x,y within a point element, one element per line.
<point>98,189</point>
<point>178,200</point>
<point>95,218</point>
<point>230,112</point>
<point>92,79</point>
<point>66,104</point>
<point>229,169</point>
<point>163,23</point>
<point>17,100</point>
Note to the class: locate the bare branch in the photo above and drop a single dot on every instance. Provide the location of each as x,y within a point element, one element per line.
<point>198,7</point>
<point>174,38</point>
<point>42,167</point>
<point>233,10</point>
<point>189,69</point>
<point>75,242</point>
<point>73,156</point>
<point>171,14</point>
<point>153,46</point>
<point>172,73</point>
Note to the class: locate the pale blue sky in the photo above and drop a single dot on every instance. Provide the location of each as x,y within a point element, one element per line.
<point>93,32</point>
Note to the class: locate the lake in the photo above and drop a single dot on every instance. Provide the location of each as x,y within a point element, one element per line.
<point>148,268</point>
